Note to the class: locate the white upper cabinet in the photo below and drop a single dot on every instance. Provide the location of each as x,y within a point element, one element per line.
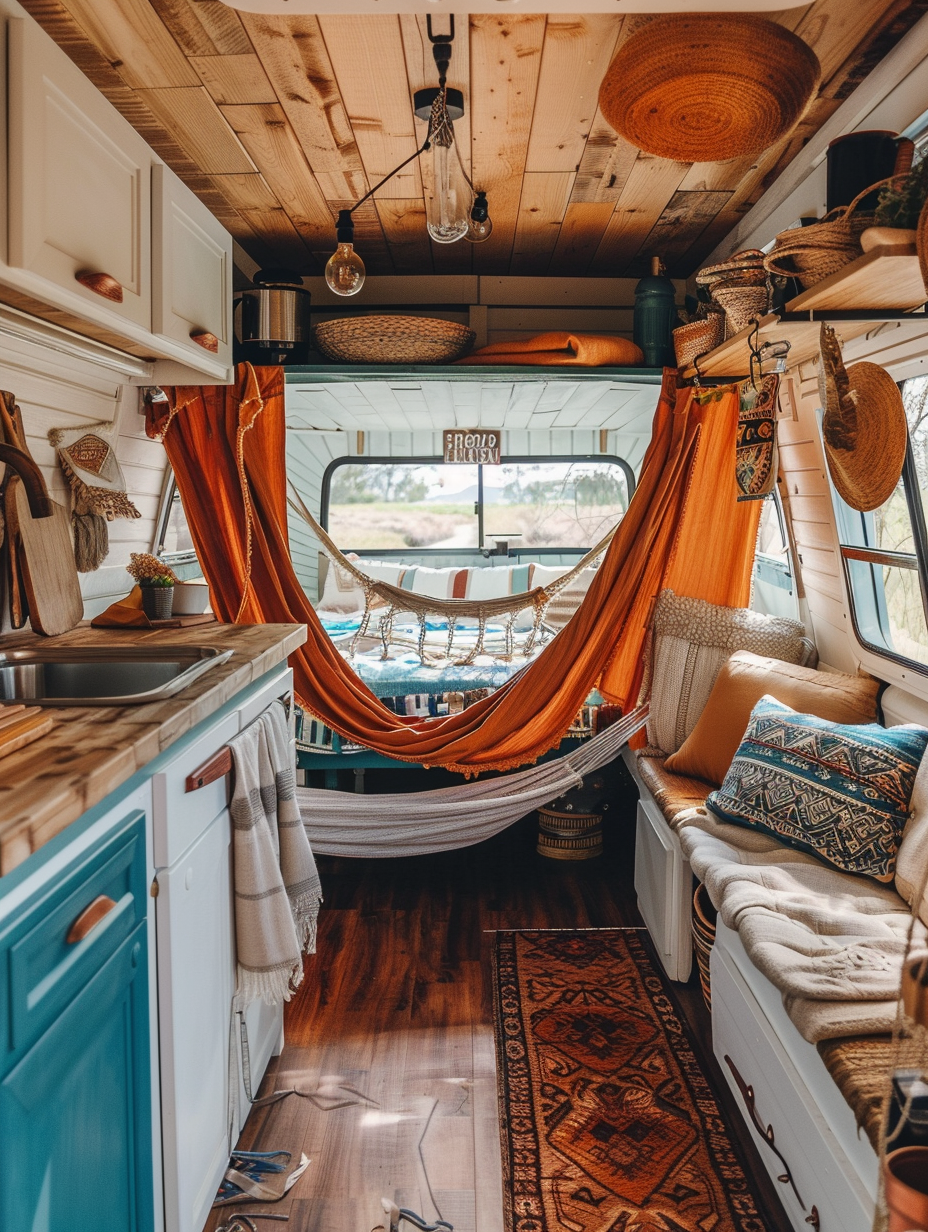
<point>80,183</point>
<point>192,270</point>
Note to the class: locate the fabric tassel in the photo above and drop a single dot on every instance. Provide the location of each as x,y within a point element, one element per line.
<point>91,541</point>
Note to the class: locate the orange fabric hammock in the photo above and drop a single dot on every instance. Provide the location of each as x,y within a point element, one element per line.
<point>683,529</point>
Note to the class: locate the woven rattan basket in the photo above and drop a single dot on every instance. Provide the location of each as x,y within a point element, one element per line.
<point>697,337</point>
<point>569,836</point>
<point>393,340</point>
<point>822,249</point>
<point>704,917</point>
<point>742,305</point>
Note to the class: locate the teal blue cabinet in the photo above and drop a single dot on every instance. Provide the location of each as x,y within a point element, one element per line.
<point>75,1069</point>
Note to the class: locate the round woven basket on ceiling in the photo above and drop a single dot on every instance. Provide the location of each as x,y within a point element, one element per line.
<point>709,87</point>
<point>393,340</point>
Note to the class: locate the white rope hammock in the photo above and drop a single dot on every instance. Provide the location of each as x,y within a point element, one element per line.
<point>413,824</point>
<point>379,594</point>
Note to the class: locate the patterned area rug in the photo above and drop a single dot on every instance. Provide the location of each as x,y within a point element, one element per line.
<point>609,1124</point>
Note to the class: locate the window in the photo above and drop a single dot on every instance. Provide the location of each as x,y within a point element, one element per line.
<point>774,592</point>
<point>173,542</point>
<point>885,552</point>
<point>543,504</point>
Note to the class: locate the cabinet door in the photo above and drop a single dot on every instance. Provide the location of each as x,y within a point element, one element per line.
<point>196,982</point>
<point>75,1117</point>
<point>80,182</point>
<point>191,270</point>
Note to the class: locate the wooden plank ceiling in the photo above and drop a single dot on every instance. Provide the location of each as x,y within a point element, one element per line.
<point>278,122</point>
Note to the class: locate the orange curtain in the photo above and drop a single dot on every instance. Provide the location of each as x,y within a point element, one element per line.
<point>683,528</point>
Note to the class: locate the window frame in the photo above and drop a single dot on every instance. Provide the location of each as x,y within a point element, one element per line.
<point>876,614</point>
<point>168,492</point>
<point>419,460</point>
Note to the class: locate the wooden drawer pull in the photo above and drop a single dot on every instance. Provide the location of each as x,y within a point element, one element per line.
<point>208,341</point>
<point>89,918</point>
<point>103,284</point>
<point>213,769</point>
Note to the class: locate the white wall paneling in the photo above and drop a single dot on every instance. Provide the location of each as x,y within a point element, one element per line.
<point>58,390</point>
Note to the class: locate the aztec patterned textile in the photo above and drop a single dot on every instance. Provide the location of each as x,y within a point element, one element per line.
<point>840,792</point>
<point>609,1120</point>
<point>690,640</point>
<point>756,448</point>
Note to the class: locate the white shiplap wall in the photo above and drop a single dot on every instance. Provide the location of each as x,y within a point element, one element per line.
<point>56,390</point>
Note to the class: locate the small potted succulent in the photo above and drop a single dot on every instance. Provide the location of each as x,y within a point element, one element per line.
<point>898,209</point>
<point>156,581</point>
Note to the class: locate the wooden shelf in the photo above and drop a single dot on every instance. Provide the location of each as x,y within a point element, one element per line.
<point>886,278</point>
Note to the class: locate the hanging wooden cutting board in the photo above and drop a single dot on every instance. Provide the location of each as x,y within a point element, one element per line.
<point>46,559</point>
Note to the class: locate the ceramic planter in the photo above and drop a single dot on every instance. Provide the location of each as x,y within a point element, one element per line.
<point>157,602</point>
<point>906,1175</point>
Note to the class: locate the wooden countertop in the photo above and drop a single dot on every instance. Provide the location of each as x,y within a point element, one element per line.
<point>93,750</point>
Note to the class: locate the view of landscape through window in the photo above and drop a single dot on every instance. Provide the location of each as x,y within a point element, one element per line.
<point>535,504</point>
<point>901,614</point>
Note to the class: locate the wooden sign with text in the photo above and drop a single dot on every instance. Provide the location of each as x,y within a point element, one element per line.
<point>472,445</point>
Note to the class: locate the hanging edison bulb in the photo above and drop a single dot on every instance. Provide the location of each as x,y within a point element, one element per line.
<point>344,270</point>
<point>480,224</point>
<point>448,198</point>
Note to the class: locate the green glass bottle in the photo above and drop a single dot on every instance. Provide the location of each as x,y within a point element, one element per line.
<point>655,317</point>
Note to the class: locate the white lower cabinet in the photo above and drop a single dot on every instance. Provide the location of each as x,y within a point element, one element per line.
<point>820,1184</point>
<point>664,885</point>
<point>203,1098</point>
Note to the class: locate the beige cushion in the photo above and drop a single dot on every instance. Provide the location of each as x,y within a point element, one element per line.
<point>741,683</point>
<point>690,640</point>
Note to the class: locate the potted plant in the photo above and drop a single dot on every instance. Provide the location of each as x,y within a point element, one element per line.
<point>156,581</point>
<point>898,209</point>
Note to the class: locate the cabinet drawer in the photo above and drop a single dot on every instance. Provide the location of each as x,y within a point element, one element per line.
<point>180,816</point>
<point>58,945</point>
<point>817,1184</point>
<point>79,183</point>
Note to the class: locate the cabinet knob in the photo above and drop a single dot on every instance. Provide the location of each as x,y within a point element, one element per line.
<point>208,341</point>
<point>103,284</point>
<point>89,918</point>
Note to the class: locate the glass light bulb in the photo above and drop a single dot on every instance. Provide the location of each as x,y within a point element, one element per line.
<point>477,232</point>
<point>344,271</point>
<point>448,199</point>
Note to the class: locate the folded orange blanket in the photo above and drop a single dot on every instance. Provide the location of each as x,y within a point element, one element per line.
<point>552,350</point>
<point>124,613</point>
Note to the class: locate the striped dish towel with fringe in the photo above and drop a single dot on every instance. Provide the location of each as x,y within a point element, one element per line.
<point>277,887</point>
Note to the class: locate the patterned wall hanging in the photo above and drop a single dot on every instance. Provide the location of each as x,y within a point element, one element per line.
<point>98,488</point>
<point>756,448</point>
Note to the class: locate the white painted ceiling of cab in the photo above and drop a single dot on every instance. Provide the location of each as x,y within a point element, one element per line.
<point>411,405</point>
<point>293,7</point>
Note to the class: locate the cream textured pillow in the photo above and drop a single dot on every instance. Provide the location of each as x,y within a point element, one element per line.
<point>708,750</point>
<point>912,857</point>
<point>690,640</point>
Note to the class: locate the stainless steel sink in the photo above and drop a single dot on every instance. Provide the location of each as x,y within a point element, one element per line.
<point>103,676</point>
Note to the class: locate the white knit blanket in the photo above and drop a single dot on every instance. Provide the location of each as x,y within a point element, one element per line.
<point>832,943</point>
<point>277,888</point>
<point>340,823</point>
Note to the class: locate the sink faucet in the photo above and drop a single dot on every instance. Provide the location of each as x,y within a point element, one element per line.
<point>40,505</point>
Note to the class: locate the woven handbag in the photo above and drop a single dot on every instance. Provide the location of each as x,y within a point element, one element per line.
<point>393,340</point>
<point>822,249</point>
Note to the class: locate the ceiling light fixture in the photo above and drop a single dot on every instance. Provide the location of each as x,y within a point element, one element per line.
<point>454,208</point>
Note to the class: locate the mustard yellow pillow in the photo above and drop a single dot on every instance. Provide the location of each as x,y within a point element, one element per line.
<point>708,750</point>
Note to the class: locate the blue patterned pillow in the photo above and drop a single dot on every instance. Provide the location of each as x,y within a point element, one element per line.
<point>839,792</point>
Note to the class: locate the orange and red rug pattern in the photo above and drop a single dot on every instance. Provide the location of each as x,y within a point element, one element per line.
<point>608,1121</point>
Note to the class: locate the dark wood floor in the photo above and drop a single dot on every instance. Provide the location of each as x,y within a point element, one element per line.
<point>391,1032</point>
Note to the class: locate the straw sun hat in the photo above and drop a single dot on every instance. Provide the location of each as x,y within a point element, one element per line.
<point>708,87</point>
<point>864,427</point>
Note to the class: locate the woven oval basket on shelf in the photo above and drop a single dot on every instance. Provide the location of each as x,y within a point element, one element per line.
<point>697,337</point>
<point>814,253</point>
<point>742,305</point>
<point>393,340</point>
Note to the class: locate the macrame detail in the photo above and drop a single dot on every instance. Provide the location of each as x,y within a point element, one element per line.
<point>98,488</point>
<point>505,608</point>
